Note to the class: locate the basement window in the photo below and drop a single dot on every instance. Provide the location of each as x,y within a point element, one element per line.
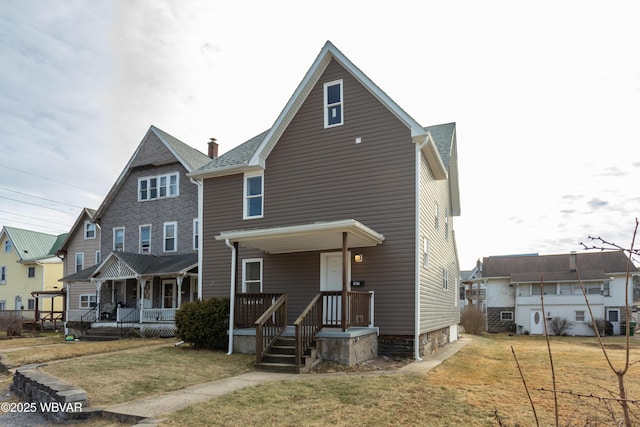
<point>506,315</point>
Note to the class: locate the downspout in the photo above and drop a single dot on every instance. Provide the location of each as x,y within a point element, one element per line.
<point>200,185</point>
<point>416,338</point>
<point>232,294</point>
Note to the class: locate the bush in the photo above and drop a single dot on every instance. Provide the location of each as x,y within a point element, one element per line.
<point>560,325</point>
<point>204,323</point>
<point>473,320</point>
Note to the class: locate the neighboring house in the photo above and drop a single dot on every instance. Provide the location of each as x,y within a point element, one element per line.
<point>515,295</point>
<point>81,251</point>
<point>345,198</point>
<point>149,238</point>
<point>472,292</point>
<point>28,263</point>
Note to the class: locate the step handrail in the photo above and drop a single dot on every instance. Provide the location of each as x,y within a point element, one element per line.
<point>128,321</point>
<point>307,326</point>
<point>270,325</point>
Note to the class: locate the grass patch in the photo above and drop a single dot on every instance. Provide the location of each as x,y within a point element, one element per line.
<point>119,377</point>
<point>42,350</point>
<point>467,389</point>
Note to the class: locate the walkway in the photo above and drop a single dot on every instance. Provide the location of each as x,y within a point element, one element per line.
<point>150,409</point>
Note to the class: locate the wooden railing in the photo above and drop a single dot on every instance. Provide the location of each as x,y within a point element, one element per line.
<point>325,310</point>
<point>307,325</point>
<point>270,325</point>
<point>249,307</point>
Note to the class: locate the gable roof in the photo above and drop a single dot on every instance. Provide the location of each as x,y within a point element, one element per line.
<point>445,141</point>
<point>188,156</point>
<point>260,146</point>
<point>33,245</point>
<point>85,213</point>
<point>530,268</point>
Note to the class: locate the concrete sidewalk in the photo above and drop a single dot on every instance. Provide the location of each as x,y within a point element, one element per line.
<point>147,411</point>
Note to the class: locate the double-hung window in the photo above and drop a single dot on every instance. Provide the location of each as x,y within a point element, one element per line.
<point>253,195</point>
<point>79,261</point>
<point>3,275</point>
<point>118,239</point>
<point>31,272</point>
<point>7,245</point>
<point>89,230</point>
<point>145,239</point>
<point>158,187</point>
<point>333,104</point>
<point>170,236</point>
<point>196,234</point>
<point>88,300</point>
<point>252,275</point>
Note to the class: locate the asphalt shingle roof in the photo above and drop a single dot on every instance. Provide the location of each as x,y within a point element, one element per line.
<point>443,135</point>
<point>237,156</point>
<point>192,157</point>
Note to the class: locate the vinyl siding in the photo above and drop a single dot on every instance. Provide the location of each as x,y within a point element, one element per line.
<point>437,305</point>
<point>317,174</point>
<point>77,243</point>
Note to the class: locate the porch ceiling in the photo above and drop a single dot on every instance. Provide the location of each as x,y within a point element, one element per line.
<point>316,236</point>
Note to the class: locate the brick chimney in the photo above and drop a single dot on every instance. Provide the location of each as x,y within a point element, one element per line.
<point>213,148</point>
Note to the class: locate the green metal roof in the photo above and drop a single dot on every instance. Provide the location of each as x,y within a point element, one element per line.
<point>33,245</point>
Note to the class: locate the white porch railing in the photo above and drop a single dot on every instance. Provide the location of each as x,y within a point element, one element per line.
<point>158,315</point>
<point>128,314</point>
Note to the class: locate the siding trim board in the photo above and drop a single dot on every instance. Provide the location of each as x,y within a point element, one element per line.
<point>317,236</point>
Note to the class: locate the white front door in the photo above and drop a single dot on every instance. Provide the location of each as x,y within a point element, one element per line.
<point>537,327</point>
<point>331,280</point>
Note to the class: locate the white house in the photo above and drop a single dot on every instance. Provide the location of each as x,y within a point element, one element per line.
<point>517,286</point>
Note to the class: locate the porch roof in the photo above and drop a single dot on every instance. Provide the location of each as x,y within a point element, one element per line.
<point>305,237</point>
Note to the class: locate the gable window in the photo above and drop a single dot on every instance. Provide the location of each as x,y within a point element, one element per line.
<point>252,275</point>
<point>7,245</point>
<point>145,239</point>
<point>253,195</point>
<point>118,239</point>
<point>79,261</point>
<point>333,103</point>
<point>31,272</point>
<point>89,230</point>
<point>87,300</point>
<point>158,187</point>
<point>196,234</point>
<point>170,236</point>
<point>506,315</point>
<point>3,275</point>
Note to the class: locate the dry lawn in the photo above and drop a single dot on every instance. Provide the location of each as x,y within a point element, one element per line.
<point>468,389</point>
<point>128,375</point>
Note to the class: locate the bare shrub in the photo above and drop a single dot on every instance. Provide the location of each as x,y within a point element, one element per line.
<point>560,325</point>
<point>473,320</point>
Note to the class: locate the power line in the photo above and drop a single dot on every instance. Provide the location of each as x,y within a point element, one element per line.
<point>49,179</point>
<point>34,218</point>
<point>30,225</point>
<point>38,197</point>
<point>35,204</point>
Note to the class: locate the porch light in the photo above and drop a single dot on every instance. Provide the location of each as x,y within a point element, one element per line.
<point>358,258</point>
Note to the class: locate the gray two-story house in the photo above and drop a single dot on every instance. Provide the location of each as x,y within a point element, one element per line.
<point>149,234</point>
<point>336,224</point>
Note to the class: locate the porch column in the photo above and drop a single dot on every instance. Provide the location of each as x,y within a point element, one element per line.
<point>142,281</point>
<point>179,283</point>
<point>345,265</point>
<point>98,289</point>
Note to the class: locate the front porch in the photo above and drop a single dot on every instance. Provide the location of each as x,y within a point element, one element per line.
<point>326,329</point>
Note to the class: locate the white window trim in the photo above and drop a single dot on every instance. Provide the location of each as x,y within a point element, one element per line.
<point>445,279</point>
<point>175,236</point>
<point>86,230</point>
<point>89,298</point>
<point>81,254</point>
<point>114,239</point>
<point>140,238</point>
<point>327,105</point>
<point>8,246</point>
<point>244,272</point>
<point>245,197</point>
<point>196,234</point>
<point>584,316</point>
<point>510,313</point>
<point>608,310</point>
<point>98,257</point>
<point>167,186</point>
<point>425,253</point>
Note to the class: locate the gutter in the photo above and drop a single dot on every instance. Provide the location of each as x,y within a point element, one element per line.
<point>232,294</point>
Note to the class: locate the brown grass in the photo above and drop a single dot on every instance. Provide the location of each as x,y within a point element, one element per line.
<point>467,389</point>
<point>127,375</point>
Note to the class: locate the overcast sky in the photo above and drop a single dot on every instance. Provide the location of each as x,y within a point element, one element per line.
<point>546,96</point>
